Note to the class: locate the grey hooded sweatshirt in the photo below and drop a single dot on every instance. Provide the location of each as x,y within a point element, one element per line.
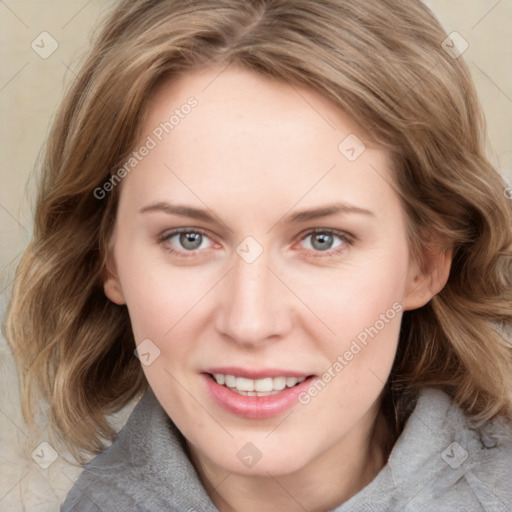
<point>439,463</point>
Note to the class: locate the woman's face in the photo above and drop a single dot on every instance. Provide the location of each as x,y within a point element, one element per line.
<point>258,241</point>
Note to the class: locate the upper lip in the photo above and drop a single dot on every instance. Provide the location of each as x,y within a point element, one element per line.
<point>255,374</point>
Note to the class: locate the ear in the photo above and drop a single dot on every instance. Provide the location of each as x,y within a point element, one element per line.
<point>428,277</point>
<point>111,283</point>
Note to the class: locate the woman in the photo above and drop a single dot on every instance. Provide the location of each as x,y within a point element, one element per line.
<point>286,209</point>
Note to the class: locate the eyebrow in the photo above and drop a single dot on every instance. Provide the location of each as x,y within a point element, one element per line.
<point>293,218</point>
<point>184,211</point>
<point>325,211</point>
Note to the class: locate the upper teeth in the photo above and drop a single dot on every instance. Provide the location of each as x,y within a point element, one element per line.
<point>266,384</point>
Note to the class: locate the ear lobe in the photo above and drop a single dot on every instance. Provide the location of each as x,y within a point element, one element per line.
<point>424,284</point>
<point>112,284</point>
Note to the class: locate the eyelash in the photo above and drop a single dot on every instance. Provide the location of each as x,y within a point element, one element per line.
<point>165,237</point>
<point>344,237</point>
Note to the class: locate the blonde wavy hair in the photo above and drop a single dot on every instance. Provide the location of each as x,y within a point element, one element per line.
<point>380,62</point>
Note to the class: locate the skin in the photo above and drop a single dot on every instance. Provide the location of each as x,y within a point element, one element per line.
<point>251,153</point>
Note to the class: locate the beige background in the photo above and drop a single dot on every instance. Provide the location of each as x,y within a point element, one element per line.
<point>30,89</point>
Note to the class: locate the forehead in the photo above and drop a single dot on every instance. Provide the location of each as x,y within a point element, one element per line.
<point>239,104</point>
<point>257,139</point>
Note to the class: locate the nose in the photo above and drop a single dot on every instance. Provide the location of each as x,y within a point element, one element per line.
<point>254,307</point>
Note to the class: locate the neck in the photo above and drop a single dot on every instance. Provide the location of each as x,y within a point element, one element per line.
<point>323,483</point>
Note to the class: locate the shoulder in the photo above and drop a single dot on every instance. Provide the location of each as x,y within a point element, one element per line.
<point>91,493</point>
<point>443,460</point>
<point>145,469</point>
<point>110,479</point>
<point>489,462</point>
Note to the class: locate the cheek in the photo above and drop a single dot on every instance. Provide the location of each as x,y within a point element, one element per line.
<point>150,307</point>
<point>355,297</point>
<point>157,294</point>
<point>361,311</point>
<point>358,355</point>
<point>364,342</point>
<point>161,308</point>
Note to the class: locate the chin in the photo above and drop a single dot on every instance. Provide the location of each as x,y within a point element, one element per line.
<point>259,458</point>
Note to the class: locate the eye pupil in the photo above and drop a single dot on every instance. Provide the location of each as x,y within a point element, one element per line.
<point>322,241</point>
<point>191,241</point>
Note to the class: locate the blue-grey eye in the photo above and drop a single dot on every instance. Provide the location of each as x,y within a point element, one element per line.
<point>189,240</point>
<point>322,241</point>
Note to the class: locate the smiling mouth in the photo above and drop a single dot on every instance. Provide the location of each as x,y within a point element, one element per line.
<point>266,386</point>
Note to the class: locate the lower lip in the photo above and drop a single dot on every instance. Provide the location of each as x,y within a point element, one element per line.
<point>255,407</point>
